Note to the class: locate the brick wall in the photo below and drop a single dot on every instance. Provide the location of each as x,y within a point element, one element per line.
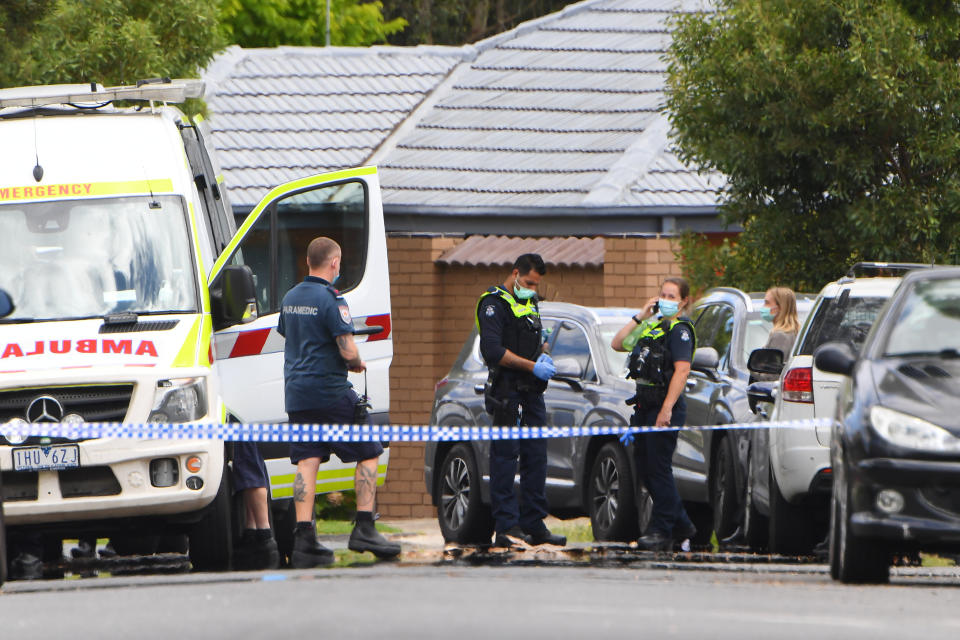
<point>433,307</point>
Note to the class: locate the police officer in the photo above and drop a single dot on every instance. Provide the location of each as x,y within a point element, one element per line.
<point>511,343</point>
<point>660,362</point>
<point>257,549</point>
<point>316,322</point>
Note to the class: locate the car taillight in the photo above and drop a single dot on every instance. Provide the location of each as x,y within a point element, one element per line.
<point>798,385</point>
<point>441,382</point>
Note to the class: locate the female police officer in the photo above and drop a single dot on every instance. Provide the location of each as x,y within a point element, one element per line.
<point>660,363</point>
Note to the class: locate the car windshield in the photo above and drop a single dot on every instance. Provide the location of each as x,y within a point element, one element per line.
<point>928,322</point>
<point>616,360</point>
<point>73,259</point>
<point>845,318</point>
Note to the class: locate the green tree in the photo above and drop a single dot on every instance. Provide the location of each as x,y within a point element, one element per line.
<point>836,123</point>
<point>455,22</point>
<point>270,23</point>
<point>106,41</point>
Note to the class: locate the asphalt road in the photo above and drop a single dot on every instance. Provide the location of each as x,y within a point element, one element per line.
<point>537,597</point>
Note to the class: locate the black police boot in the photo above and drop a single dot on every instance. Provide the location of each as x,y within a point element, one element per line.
<point>365,537</point>
<point>655,541</point>
<point>545,537</point>
<point>512,537</point>
<point>84,549</point>
<point>307,552</point>
<point>26,566</point>
<point>257,551</point>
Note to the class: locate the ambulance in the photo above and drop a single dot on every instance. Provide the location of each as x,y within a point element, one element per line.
<point>139,300</point>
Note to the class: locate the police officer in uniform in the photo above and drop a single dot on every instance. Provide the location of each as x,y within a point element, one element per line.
<point>511,343</point>
<point>257,548</point>
<point>319,350</point>
<point>660,362</point>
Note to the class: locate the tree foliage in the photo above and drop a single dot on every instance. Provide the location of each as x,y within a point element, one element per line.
<point>106,41</point>
<point>270,23</point>
<point>837,123</point>
<point>455,22</point>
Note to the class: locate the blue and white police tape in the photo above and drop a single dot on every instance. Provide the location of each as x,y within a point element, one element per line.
<point>283,432</point>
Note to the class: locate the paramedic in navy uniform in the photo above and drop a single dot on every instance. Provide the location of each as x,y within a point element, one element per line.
<point>316,322</point>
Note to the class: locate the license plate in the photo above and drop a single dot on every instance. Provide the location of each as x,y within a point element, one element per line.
<point>58,456</point>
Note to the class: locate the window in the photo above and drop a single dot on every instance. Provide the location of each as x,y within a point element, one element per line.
<point>337,211</point>
<point>843,319</point>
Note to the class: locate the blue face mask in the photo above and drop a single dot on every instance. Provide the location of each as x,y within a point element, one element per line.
<point>668,308</point>
<point>522,293</point>
<point>766,314</point>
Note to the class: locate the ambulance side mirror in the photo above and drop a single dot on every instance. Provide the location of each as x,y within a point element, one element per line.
<point>6,304</point>
<point>233,297</point>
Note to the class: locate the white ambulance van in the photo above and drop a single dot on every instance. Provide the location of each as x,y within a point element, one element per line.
<point>138,300</point>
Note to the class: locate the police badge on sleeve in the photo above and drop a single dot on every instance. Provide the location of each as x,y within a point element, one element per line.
<point>345,314</point>
<point>489,311</point>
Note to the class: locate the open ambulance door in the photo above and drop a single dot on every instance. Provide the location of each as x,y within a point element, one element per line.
<point>272,242</point>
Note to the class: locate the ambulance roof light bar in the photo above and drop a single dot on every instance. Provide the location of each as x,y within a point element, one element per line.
<point>159,90</point>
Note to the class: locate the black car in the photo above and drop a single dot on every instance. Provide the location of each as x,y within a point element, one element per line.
<point>585,475</point>
<point>895,447</point>
<point>729,327</point>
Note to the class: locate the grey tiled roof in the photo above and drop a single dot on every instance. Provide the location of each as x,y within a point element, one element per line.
<point>562,111</point>
<point>280,114</point>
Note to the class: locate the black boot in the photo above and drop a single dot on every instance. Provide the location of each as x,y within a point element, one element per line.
<point>655,541</point>
<point>257,551</point>
<point>512,537</point>
<point>545,537</point>
<point>365,537</point>
<point>307,552</point>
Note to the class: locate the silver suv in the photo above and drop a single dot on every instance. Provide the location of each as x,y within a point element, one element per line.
<point>789,476</point>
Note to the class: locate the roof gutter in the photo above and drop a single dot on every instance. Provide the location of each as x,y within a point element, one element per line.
<point>540,221</point>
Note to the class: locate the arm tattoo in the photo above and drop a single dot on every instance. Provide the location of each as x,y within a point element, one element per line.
<point>366,484</point>
<point>299,488</point>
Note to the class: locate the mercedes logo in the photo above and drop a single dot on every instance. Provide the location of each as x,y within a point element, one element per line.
<point>44,409</point>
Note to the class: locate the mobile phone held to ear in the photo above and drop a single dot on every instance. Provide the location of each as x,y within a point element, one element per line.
<point>656,307</point>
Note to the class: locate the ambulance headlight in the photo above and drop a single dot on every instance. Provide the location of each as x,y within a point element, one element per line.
<point>179,400</point>
<point>10,429</point>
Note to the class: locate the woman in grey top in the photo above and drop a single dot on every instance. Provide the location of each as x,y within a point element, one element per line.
<point>780,307</point>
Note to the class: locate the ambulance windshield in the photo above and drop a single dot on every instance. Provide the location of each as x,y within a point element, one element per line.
<point>71,259</point>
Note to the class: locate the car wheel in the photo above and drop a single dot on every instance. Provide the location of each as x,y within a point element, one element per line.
<point>463,516</point>
<point>723,491</point>
<point>610,494</point>
<point>755,524</point>
<point>789,526</point>
<point>853,560</point>
<point>211,539</point>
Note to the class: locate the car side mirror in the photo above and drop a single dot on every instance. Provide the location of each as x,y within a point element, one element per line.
<point>758,392</point>
<point>233,297</point>
<point>569,368</point>
<point>768,361</point>
<point>835,357</point>
<point>6,304</point>
<point>705,360</point>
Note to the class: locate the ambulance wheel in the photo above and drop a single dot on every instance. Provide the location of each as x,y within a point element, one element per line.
<point>460,510</point>
<point>611,496</point>
<point>211,539</point>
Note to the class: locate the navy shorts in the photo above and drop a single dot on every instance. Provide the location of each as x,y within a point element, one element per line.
<point>339,412</point>
<point>249,470</point>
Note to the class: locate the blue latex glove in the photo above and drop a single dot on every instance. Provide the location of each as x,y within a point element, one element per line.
<point>627,438</point>
<point>544,368</point>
